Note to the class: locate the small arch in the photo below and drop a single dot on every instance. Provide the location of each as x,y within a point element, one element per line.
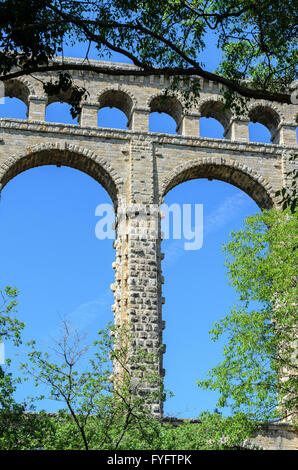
<point>169,105</point>
<point>65,155</point>
<point>259,133</point>
<point>216,109</point>
<point>62,96</point>
<point>266,115</point>
<point>162,123</point>
<point>13,108</point>
<point>18,89</point>
<point>112,118</point>
<point>229,171</point>
<point>211,128</point>
<point>63,101</point>
<point>119,99</point>
<point>59,112</point>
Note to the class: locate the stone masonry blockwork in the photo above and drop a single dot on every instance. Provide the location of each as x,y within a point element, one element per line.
<point>136,166</point>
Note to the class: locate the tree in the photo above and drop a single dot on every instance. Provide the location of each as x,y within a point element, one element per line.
<point>257,40</point>
<point>100,413</point>
<point>258,375</point>
<point>18,429</point>
<point>10,329</point>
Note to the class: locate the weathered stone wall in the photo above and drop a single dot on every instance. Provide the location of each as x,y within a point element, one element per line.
<point>136,166</point>
<point>276,437</point>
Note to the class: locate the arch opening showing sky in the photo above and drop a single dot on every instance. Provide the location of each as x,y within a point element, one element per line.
<point>197,292</point>
<point>112,118</point>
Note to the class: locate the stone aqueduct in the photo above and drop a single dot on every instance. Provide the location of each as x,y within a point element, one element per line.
<point>136,166</point>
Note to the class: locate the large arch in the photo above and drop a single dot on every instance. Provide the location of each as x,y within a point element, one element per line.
<point>222,169</point>
<point>196,283</point>
<point>67,155</point>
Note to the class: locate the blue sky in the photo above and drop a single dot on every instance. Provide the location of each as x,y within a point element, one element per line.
<point>48,250</point>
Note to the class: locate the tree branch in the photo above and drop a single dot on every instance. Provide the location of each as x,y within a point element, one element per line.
<point>167,71</point>
<point>144,69</point>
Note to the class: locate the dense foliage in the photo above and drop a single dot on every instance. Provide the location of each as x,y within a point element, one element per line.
<point>257,39</point>
<point>259,373</point>
<point>96,415</point>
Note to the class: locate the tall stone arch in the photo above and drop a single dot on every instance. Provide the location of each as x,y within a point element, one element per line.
<point>87,161</point>
<point>65,154</point>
